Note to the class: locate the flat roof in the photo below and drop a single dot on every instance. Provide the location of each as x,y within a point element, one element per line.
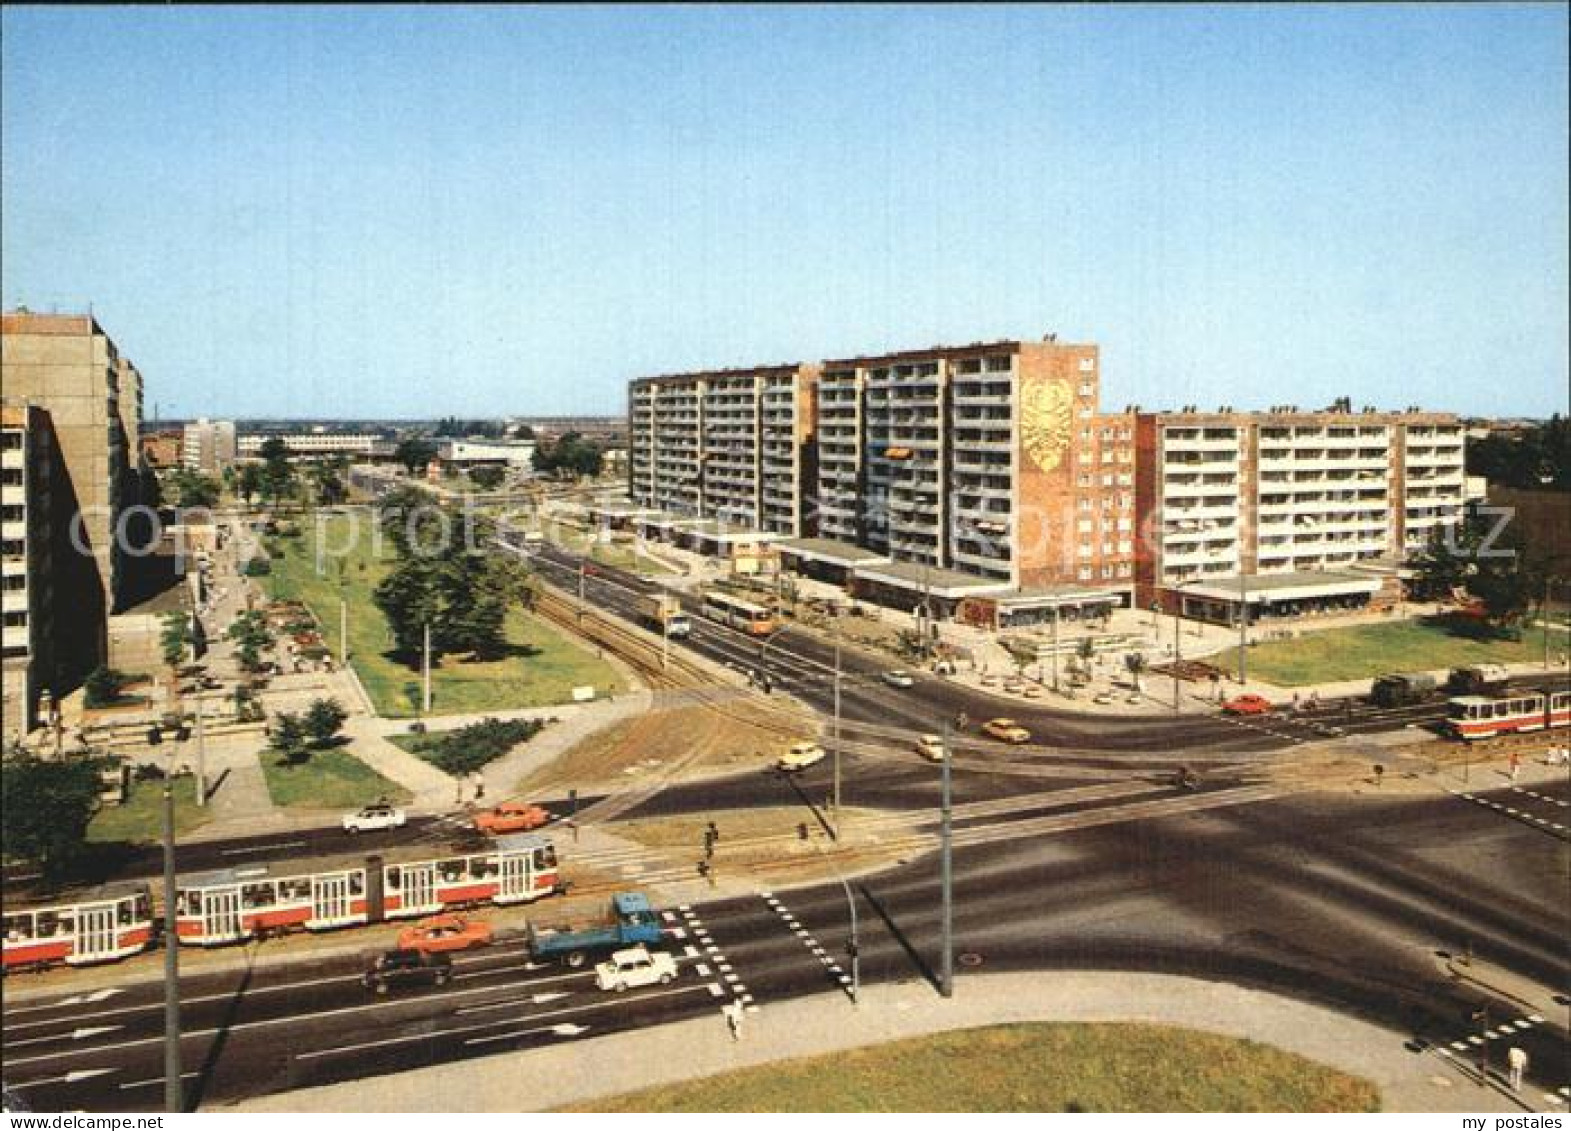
<point>832,551</point>
<point>1283,586</point>
<point>722,531</point>
<point>1056,595</point>
<point>931,579</point>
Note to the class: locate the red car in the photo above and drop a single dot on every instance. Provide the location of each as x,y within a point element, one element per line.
<point>1247,705</point>
<point>512,817</point>
<point>442,933</point>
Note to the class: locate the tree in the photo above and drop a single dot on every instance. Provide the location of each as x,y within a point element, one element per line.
<point>175,639</point>
<point>523,432</point>
<point>102,686</point>
<point>488,477</point>
<point>414,452</point>
<point>194,490</point>
<point>249,481</point>
<point>48,806</point>
<point>462,596</point>
<point>571,454</point>
<point>323,720</point>
<point>289,737</point>
<point>327,483</point>
<point>278,474</point>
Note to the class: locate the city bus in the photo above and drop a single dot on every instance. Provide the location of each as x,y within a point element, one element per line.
<point>745,616</point>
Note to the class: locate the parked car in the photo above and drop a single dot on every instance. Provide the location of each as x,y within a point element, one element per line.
<point>1006,730</point>
<point>1247,705</point>
<point>378,816</point>
<point>931,747</point>
<point>399,968</point>
<point>899,679</point>
<point>445,933</point>
<point>636,967</point>
<point>512,817</point>
<point>800,757</point>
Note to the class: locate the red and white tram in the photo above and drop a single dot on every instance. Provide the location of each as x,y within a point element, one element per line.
<point>99,926</point>
<point>1473,717</point>
<point>319,895</point>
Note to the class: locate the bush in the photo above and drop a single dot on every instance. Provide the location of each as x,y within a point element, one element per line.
<point>102,687</point>
<point>465,750</point>
<point>257,567</point>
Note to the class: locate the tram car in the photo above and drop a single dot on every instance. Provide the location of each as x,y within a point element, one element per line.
<point>234,905</point>
<point>101,925</point>
<point>1471,717</point>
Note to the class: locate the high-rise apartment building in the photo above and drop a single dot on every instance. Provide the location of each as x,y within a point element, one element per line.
<point>68,367</point>
<point>26,548</point>
<point>984,481</point>
<point>729,445</point>
<point>208,446</point>
<point>1290,509</point>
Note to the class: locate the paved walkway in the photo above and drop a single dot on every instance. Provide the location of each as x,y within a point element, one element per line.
<point>554,1075</point>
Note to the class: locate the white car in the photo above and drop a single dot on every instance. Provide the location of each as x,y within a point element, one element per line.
<point>373,817</point>
<point>931,747</point>
<point>635,967</point>
<point>899,679</point>
<point>800,757</point>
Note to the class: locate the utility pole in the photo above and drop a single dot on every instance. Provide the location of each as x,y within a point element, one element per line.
<point>1178,646</point>
<point>1243,619</point>
<point>665,641</point>
<point>1543,615</point>
<point>946,978</point>
<point>425,672</point>
<point>343,632</point>
<point>835,824</point>
<point>172,1072</point>
<point>580,611</point>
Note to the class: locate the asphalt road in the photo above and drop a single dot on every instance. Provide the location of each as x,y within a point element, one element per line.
<point>1344,901</point>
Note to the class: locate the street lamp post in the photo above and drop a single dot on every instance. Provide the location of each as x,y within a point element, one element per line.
<point>1055,649</point>
<point>172,1067</point>
<point>835,824</point>
<point>946,982</point>
<point>1178,645</point>
<point>1243,620</point>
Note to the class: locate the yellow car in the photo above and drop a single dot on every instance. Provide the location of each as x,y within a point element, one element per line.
<point>931,747</point>
<point>800,757</point>
<point>1006,730</point>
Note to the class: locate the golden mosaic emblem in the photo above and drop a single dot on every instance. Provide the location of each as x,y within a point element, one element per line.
<point>1046,421</point>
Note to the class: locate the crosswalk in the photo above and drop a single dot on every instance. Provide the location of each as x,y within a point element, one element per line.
<point>1478,1044</point>
<point>1547,824</point>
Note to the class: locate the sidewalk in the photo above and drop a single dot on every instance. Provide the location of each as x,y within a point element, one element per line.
<point>554,1075</point>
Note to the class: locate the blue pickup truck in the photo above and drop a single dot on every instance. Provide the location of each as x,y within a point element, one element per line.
<point>632,921</point>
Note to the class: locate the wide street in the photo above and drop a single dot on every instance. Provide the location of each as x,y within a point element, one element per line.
<point>1079,855</point>
<point>1347,902</point>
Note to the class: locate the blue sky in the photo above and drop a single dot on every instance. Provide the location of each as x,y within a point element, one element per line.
<point>419,211</point>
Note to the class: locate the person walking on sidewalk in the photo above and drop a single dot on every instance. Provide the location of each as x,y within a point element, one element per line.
<point>733,1017</point>
<point>1517,1060</point>
<point>1515,764</point>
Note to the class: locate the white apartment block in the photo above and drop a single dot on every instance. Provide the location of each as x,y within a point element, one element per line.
<point>1307,507</point>
<point>310,443</point>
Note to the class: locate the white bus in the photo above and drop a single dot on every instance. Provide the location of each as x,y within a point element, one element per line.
<point>746,616</point>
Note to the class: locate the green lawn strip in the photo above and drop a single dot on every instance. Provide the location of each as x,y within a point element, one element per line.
<point>1365,651</point>
<point>1037,1068</point>
<point>329,779</point>
<point>141,819</point>
<point>543,672</point>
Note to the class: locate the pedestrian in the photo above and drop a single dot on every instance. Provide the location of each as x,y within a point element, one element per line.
<point>733,1017</point>
<point>458,793</point>
<point>1515,762</point>
<point>1517,1059</point>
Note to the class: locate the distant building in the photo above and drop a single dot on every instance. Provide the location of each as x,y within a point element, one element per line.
<point>27,516</point>
<point>208,446</point>
<point>474,453</point>
<point>164,448</point>
<point>310,443</point>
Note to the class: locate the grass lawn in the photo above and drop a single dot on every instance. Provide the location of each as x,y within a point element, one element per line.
<point>543,669</point>
<point>1365,651</point>
<point>329,779</point>
<point>141,819</point>
<point>1006,1068</point>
